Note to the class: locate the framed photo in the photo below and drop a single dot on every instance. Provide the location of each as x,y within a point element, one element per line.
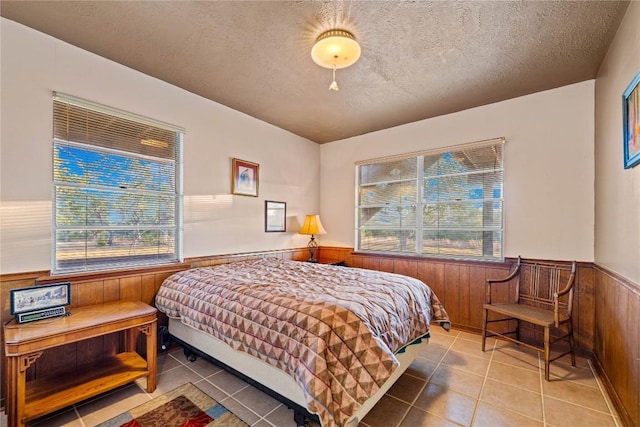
<point>25,300</point>
<point>275,216</point>
<point>244,178</point>
<point>631,122</point>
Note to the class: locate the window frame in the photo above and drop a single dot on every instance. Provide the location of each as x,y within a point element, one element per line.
<point>107,193</point>
<point>420,202</point>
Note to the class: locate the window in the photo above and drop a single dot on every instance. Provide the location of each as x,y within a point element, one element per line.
<point>117,200</point>
<point>444,203</point>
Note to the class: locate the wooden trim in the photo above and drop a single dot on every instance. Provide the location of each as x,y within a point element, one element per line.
<point>255,254</point>
<point>109,274</point>
<point>507,261</point>
<point>625,417</point>
<point>630,285</point>
<point>10,277</point>
<point>45,277</point>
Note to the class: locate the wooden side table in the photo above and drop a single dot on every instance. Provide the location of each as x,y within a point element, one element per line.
<point>25,343</point>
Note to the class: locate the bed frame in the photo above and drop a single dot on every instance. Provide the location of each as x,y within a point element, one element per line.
<point>270,379</point>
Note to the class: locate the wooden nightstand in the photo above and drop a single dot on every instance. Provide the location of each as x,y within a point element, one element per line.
<point>25,343</point>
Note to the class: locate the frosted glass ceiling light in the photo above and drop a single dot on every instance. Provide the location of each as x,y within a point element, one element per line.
<point>335,49</point>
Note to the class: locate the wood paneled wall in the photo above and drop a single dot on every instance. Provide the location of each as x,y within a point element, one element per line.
<point>607,307</point>
<point>95,288</point>
<point>86,290</point>
<point>460,286</point>
<point>617,341</point>
<point>606,312</point>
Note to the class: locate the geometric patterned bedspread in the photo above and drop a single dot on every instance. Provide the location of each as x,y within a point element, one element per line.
<point>333,329</point>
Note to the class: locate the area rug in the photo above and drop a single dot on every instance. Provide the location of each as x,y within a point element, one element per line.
<point>185,406</point>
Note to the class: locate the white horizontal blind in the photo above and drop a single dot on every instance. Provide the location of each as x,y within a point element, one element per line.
<point>116,188</point>
<point>437,203</point>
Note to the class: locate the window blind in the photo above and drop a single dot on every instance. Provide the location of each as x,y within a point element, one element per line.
<point>446,202</point>
<point>117,200</point>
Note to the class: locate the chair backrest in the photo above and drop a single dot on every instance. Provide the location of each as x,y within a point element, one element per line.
<point>539,281</point>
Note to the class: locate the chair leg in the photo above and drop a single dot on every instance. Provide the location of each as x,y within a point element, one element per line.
<point>573,352</point>
<point>547,353</point>
<point>484,328</point>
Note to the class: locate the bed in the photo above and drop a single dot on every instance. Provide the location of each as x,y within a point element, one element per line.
<point>328,340</point>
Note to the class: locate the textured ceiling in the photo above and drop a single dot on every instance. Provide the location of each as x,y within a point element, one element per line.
<point>419,59</point>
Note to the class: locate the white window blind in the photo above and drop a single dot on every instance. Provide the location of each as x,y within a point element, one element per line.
<point>444,203</point>
<point>117,193</point>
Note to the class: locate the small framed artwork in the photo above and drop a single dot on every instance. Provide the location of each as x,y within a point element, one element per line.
<point>244,178</point>
<point>631,123</point>
<point>25,300</point>
<point>275,216</point>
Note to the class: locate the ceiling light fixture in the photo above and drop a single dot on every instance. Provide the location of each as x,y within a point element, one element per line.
<point>335,49</point>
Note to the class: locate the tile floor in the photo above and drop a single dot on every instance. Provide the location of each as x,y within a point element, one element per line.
<point>451,383</point>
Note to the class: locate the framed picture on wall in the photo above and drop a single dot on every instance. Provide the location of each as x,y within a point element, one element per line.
<point>631,123</point>
<point>244,178</point>
<point>275,216</point>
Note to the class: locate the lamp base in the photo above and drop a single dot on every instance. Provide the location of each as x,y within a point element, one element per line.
<point>312,245</point>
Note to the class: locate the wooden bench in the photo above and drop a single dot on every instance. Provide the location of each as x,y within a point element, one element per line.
<point>540,293</point>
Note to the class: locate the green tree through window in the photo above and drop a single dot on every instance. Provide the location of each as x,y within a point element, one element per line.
<point>116,198</point>
<point>437,203</point>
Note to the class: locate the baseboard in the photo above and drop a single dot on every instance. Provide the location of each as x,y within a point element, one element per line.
<point>625,418</point>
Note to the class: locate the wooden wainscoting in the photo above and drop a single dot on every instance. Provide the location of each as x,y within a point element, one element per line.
<point>87,289</point>
<point>607,307</point>
<point>606,312</point>
<point>296,254</point>
<point>617,341</point>
<point>96,288</point>
<point>460,286</point>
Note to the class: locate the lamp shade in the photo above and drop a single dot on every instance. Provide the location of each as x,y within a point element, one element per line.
<point>312,225</point>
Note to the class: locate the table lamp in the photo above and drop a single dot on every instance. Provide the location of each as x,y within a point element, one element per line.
<point>312,226</point>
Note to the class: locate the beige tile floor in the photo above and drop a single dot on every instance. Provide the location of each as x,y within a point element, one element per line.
<point>451,383</point>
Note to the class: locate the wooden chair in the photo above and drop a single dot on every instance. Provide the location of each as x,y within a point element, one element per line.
<point>543,296</point>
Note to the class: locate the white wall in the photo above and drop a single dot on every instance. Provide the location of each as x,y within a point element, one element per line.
<point>549,160</point>
<point>34,64</point>
<point>617,198</point>
<point>549,169</point>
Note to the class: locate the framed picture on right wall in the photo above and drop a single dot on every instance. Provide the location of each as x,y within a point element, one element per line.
<point>631,123</point>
